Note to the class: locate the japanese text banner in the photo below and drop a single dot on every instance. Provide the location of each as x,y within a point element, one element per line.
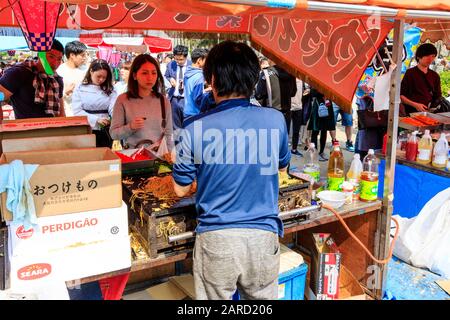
<point>330,55</point>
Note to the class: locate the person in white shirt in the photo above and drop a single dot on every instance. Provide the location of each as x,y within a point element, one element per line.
<point>95,98</point>
<point>122,85</point>
<point>296,116</point>
<point>72,71</point>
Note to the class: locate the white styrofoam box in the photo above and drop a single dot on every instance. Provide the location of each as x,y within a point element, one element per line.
<point>68,230</point>
<point>39,274</point>
<point>95,258</point>
<point>38,277</point>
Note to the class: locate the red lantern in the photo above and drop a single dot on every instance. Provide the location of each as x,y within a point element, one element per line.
<point>37,19</point>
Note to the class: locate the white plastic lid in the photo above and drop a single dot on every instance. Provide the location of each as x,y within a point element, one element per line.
<point>312,145</point>
<point>356,156</point>
<point>371,152</point>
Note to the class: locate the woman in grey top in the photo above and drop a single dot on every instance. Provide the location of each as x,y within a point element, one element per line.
<point>143,114</point>
<point>94,98</point>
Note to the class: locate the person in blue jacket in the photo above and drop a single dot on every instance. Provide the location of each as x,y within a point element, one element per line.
<point>194,83</point>
<point>175,76</point>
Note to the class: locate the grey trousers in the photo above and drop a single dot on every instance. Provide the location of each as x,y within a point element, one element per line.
<point>247,259</point>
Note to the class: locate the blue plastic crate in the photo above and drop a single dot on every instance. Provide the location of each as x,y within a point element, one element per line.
<point>291,284</point>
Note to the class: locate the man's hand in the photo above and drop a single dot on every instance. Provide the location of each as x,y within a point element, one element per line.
<point>173,82</point>
<point>420,107</point>
<point>181,191</point>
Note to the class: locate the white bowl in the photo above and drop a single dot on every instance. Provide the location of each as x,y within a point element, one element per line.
<point>334,199</point>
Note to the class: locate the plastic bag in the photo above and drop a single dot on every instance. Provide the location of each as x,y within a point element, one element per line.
<point>424,240</point>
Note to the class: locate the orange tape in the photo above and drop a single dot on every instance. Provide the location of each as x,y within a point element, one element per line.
<point>401,13</point>
<point>301,4</point>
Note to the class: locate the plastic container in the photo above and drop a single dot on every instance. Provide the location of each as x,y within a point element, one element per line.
<point>336,168</point>
<point>334,199</point>
<point>440,153</point>
<point>312,167</point>
<point>347,189</point>
<point>354,175</point>
<point>425,149</point>
<point>448,161</point>
<point>383,149</point>
<point>369,178</point>
<point>412,147</point>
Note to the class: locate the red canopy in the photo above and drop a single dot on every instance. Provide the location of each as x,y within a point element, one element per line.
<point>154,44</point>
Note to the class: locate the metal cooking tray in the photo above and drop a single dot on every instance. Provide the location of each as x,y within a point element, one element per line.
<point>417,128</point>
<point>436,116</point>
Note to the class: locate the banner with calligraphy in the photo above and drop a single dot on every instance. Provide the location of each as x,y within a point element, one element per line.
<point>135,15</point>
<point>330,55</point>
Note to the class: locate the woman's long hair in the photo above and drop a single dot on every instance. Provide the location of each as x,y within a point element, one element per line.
<point>133,86</point>
<point>96,65</point>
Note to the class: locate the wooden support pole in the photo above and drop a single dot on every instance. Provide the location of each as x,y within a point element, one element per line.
<point>384,219</point>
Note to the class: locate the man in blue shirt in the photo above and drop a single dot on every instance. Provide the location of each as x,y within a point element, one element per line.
<point>194,83</point>
<point>234,151</point>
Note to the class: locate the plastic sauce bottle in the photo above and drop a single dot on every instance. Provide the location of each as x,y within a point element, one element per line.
<point>425,148</point>
<point>411,147</point>
<point>369,178</point>
<point>354,175</point>
<point>440,154</point>
<point>312,167</point>
<point>336,168</point>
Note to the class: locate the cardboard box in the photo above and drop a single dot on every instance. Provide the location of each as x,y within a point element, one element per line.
<point>349,288</point>
<point>43,127</point>
<point>49,143</point>
<point>72,180</point>
<point>163,291</point>
<point>325,267</point>
<point>68,230</point>
<point>71,263</point>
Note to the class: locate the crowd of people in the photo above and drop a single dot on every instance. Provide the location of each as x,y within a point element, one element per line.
<point>225,88</point>
<point>89,89</point>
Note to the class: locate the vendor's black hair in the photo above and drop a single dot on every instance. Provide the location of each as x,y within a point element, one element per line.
<point>75,47</point>
<point>180,50</point>
<point>424,50</point>
<point>57,46</point>
<point>198,53</point>
<point>235,68</point>
<point>96,65</point>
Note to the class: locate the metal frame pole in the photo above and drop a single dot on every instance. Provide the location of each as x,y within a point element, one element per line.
<point>384,218</point>
<point>348,8</point>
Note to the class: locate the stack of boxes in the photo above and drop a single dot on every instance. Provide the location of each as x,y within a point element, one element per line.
<point>82,225</point>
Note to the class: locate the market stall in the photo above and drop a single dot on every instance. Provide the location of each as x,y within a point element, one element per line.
<point>417,179</point>
<point>172,242</point>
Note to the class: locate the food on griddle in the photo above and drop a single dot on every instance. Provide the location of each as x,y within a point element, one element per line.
<point>162,188</point>
<point>284,180</point>
<point>426,120</point>
<point>137,249</point>
<point>413,122</point>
